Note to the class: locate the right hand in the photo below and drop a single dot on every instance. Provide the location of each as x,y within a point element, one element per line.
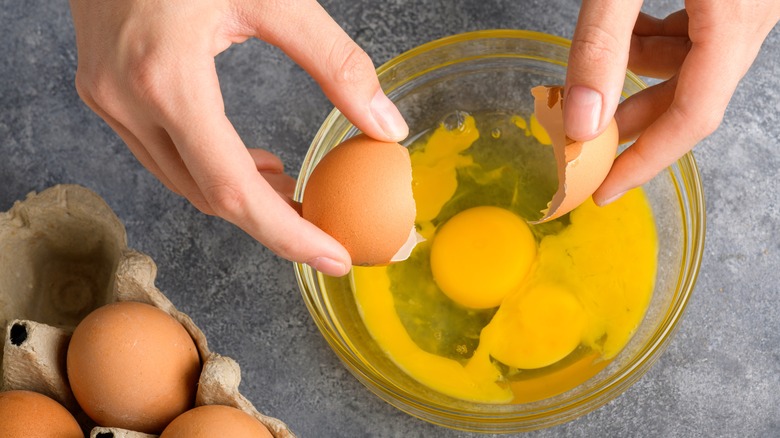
<point>147,68</point>
<point>702,52</point>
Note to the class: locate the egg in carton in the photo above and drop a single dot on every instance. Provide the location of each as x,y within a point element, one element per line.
<point>64,253</point>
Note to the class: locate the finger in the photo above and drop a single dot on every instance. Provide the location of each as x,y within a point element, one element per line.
<point>266,161</point>
<point>158,145</point>
<point>639,111</point>
<point>282,183</point>
<point>148,142</point>
<point>341,68</point>
<point>659,46</point>
<point>597,65</point>
<point>134,144</point>
<point>228,177</point>
<point>657,56</point>
<point>697,109</point>
<point>674,25</point>
<point>158,154</point>
<point>272,170</point>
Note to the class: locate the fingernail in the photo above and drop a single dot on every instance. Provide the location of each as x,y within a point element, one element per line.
<point>582,113</point>
<point>609,200</point>
<point>388,117</point>
<point>328,266</point>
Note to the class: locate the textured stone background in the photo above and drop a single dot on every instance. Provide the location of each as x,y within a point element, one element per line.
<point>719,377</point>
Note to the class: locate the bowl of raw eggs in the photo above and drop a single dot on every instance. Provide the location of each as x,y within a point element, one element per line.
<point>503,317</point>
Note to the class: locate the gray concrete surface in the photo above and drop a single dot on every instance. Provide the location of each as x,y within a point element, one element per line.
<point>719,377</point>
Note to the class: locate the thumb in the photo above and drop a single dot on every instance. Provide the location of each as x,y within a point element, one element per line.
<point>346,74</point>
<point>597,65</point>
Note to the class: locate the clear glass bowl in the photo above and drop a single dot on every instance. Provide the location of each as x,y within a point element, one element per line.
<point>490,71</point>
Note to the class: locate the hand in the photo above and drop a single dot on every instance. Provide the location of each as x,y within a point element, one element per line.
<point>147,68</point>
<point>702,51</point>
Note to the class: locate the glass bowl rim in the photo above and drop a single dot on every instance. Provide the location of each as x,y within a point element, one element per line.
<point>687,180</point>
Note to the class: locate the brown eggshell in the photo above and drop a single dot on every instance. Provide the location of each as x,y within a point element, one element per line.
<point>361,194</point>
<point>26,414</point>
<point>582,166</point>
<point>67,235</point>
<point>133,366</point>
<point>215,421</point>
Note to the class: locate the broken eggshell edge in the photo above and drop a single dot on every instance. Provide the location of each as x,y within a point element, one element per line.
<point>360,193</point>
<point>581,166</point>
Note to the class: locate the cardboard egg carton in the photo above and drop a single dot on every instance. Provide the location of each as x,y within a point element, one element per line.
<point>64,253</point>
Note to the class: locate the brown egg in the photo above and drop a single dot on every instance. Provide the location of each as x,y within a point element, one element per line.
<point>210,421</point>
<point>132,366</point>
<point>582,166</point>
<point>27,414</point>
<point>361,194</point>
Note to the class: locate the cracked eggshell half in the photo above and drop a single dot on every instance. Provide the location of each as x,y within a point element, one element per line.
<point>582,166</point>
<point>361,194</point>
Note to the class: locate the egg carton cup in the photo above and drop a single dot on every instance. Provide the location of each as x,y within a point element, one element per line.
<point>64,253</point>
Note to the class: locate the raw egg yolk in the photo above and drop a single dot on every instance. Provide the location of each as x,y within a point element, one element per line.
<point>480,255</point>
<point>540,328</point>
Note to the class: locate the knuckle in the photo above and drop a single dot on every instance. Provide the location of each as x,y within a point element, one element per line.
<point>710,124</point>
<point>642,160</point>
<point>83,86</point>
<point>225,200</point>
<point>96,90</point>
<point>197,200</point>
<point>281,247</point>
<point>140,77</point>
<point>699,124</point>
<point>595,45</point>
<point>147,79</point>
<point>349,63</point>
